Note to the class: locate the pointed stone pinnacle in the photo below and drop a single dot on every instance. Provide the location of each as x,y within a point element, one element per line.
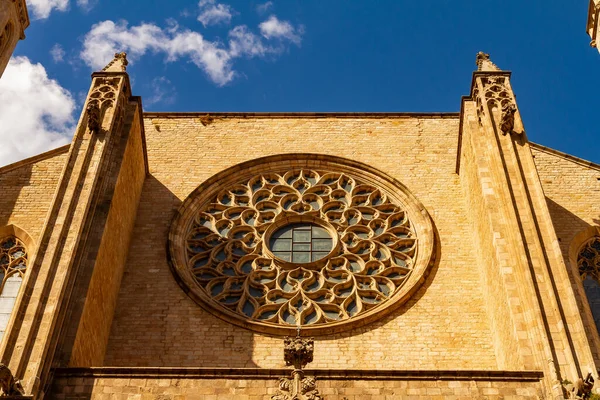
<point>484,63</point>
<point>118,64</point>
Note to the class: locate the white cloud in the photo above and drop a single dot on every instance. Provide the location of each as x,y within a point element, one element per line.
<point>162,92</point>
<point>57,53</point>
<point>36,113</point>
<point>42,8</point>
<point>212,13</point>
<point>263,8</point>
<point>213,57</point>
<point>87,5</point>
<point>242,42</point>
<point>274,28</point>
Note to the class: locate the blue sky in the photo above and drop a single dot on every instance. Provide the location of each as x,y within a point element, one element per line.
<point>312,55</point>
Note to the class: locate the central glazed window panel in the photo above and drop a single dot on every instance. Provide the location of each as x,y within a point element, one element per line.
<point>301,243</point>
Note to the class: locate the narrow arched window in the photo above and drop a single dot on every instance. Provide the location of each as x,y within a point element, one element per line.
<point>588,262</point>
<point>13,263</point>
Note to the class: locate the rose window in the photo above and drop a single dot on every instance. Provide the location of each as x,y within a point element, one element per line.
<point>298,247</point>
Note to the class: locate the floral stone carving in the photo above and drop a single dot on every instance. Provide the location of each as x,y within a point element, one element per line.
<point>296,247</point>
<point>298,352</point>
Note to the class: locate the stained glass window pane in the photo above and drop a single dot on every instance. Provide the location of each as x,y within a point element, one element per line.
<point>305,242</point>
<point>301,236</point>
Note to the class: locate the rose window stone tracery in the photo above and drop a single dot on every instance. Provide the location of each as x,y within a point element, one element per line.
<point>298,247</point>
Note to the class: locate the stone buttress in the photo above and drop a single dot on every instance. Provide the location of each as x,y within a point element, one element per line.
<point>68,298</point>
<point>531,306</point>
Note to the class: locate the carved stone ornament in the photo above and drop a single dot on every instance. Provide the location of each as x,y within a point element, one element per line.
<point>281,247</point>
<point>298,352</point>
<point>581,389</point>
<point>8,384</point>
<point>480,58</point>
<point>484,63</point>
<point>93,117</point>
<point>507,123</point>
<point>206,120</point>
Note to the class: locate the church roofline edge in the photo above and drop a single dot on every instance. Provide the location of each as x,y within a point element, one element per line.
<point>34,159</point>
<point>164,114</point>
<point>577,160</point>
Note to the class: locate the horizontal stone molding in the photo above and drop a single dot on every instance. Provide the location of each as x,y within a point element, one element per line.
<point>276,373</point>
<point>302,114</point>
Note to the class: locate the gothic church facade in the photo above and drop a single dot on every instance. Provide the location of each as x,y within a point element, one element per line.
<point>283,256</point>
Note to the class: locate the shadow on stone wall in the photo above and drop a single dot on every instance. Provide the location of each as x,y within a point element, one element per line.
<point>570,230</point>
<point>12,183</point>
<point>156,323</point>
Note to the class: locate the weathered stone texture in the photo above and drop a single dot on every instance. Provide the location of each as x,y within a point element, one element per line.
<point>79,388</point>
<point>27,189</point>
<point>92,336</point>
<point>13,21</point>
<point>444,325</point>
<point>572,189</point>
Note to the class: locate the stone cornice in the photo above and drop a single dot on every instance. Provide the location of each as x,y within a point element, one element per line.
<point>302,114</point>
<point>275,373</point>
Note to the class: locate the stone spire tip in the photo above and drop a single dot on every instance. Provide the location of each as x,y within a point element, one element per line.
<point>118,64</point>
<point>484,63</point>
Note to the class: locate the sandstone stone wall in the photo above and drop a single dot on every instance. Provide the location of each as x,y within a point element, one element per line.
<point>100,300</point>
<point>27,189</point>
<point>445,325</point>
<point>572,189</point>
<point>355,386</point>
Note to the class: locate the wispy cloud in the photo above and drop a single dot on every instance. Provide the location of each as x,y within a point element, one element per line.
<point>57,53</point>
<point>274,28</point>
<point>41,9</point>
<point>213,13</point>
<point>87,5</point>
<point>264,7</point>
<point>162,92</point>
<point>36,113</point>
<point>215,58</point>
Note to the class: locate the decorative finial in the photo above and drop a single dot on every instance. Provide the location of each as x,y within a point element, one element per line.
<point>481,56</point>
<point>484,63</point>
<point>118,64</point>
<point>298,331</point>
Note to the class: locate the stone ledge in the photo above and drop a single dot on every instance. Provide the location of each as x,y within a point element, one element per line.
<point>301,114</point>
<point>263,373</point>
